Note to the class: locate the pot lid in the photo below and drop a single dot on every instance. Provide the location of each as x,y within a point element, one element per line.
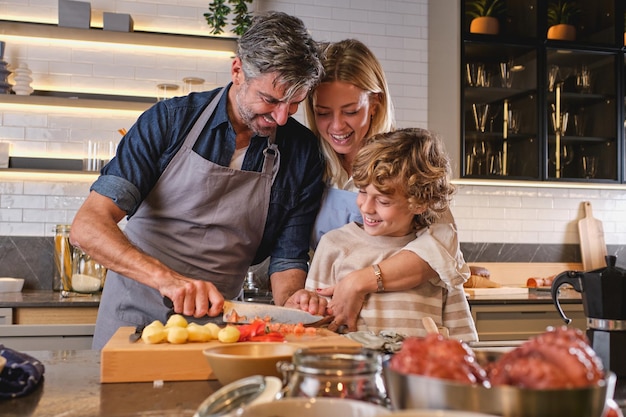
<point>241,393</point>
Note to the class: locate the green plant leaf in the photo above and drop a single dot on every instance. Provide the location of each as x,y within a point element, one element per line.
<point>216,16</point>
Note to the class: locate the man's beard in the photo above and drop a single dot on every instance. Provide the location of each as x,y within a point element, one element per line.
<point>249,117</point>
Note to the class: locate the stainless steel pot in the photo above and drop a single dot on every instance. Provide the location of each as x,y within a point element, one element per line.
<point>419,392</point>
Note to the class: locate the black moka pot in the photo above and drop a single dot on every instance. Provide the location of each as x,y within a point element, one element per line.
<point>603,294</point>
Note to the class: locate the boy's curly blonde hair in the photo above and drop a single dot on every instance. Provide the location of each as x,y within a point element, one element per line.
<point>411,161</point>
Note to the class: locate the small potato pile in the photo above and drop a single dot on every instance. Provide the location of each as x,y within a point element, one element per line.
<point>177,330</point>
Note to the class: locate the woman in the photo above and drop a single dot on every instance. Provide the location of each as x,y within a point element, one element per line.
<point>351,104</point>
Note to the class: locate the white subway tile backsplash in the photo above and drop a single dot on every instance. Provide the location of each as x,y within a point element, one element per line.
<point>10,215</point>
<point>22,201</point>
<point>396,30</point>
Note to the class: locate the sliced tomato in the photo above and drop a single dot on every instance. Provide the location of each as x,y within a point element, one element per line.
<point>256,328</point>
<point>268,337</point>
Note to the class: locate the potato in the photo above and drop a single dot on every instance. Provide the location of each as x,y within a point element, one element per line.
<point>229,334</point>
<point>177,335</point>
<point>176,320</point>
<point>153,334</point>
<point>198,333</point>
<point>213,329</point>
<point>156,324</point>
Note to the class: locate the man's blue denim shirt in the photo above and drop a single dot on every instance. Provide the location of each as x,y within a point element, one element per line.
<point>158,134</point>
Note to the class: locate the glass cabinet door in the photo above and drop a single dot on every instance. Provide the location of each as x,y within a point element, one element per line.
<point>581,115</point>
<point>500,112</point>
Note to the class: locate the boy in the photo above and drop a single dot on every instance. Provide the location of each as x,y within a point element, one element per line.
<point>403,181</point>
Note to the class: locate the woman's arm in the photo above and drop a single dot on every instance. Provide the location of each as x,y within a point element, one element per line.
<point>399,272</point>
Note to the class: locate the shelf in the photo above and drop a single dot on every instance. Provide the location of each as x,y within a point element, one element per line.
<point>90,101</point>
<point>167,40</point>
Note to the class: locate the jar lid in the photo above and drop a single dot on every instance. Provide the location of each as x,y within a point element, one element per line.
<point>239,394</point>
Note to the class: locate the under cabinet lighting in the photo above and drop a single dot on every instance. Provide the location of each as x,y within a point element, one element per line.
<point>132,42</point>
<point>47,176</point>
<point>538,184</point>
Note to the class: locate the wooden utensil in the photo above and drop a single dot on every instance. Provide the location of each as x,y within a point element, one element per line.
<point>592,246</point>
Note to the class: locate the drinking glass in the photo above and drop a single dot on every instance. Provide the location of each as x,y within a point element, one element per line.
<point>515,118</point>
<point>580,121</point>
<point>506,76</point>
<point>474,71</point>
<point>553,75</point>
<point>566,158</point>
<point>480,150</point>
<point>563,118</point>
<point>481,113</point>
<point>589,166</point>
<point>495,163</point>
<point>583,79</point>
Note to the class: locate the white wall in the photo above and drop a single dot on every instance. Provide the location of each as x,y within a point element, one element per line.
<point>396,30</point>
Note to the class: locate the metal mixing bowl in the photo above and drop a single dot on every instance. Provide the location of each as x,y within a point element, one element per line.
<point>419,392</point>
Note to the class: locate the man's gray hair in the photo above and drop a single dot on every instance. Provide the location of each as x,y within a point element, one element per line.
<point>279,43</point>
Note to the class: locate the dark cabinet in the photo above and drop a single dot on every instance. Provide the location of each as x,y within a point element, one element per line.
<point>535,108</point>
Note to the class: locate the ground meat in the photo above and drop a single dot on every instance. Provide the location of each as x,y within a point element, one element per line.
<point>559,358</point>
<point>437,357</point>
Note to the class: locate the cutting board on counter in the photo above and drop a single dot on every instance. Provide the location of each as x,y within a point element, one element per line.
<point>490,292</point>
<point>123,361</point>
<point>592,246</point>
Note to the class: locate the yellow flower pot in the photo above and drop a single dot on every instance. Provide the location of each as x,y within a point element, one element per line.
<point>562,32</point>
<point>487,25</point>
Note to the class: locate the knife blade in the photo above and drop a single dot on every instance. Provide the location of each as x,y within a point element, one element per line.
<point>247,312</point>
<point>137,335</point>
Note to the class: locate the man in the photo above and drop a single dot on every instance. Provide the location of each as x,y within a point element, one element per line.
<point>211,183</point>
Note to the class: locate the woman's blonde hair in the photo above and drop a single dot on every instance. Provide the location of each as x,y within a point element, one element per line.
<point>411,161</point>
<point>352,62</point>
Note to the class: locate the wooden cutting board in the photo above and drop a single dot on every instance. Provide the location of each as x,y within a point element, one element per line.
<point>592,246</point>
<point>123,361</point>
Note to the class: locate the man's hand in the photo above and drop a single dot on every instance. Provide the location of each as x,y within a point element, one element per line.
<point>192,297</point>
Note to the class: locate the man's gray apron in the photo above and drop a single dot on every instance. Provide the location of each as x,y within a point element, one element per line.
<point>338,208</point>
<point>202,220</point>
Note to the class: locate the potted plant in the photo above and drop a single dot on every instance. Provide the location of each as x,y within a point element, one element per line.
<point>484,15</point>
<point>219,10</point>
<point>561,16</point>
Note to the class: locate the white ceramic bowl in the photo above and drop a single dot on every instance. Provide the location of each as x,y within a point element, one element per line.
<point>11,284</point>
<point>315,407</point>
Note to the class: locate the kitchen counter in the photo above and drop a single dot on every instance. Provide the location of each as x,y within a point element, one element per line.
<point>42,298</point>
<point>534,296</point>
<point>71,388</point>
<point>45,298</point>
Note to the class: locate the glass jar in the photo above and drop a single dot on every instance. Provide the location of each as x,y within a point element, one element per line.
<point>62,258</point>
<point>340,372</point>
<point>87,275</point>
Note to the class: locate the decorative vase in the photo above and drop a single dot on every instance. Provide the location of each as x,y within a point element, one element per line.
<point>5,87</point>
<point>22,78</point>
<point>562,32</point>
<point>487,25</point>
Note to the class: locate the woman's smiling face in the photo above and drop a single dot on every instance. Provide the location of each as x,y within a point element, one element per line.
<point>383,214</point>
<point>342,115</point>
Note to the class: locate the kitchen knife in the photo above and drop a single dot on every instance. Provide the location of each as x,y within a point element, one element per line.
<point>137,335</point>
<point>247,312</point>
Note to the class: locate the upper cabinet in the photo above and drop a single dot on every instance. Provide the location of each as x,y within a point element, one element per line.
<point>542,90</point>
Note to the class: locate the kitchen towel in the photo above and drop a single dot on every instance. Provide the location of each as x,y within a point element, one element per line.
<point>21,374</point>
